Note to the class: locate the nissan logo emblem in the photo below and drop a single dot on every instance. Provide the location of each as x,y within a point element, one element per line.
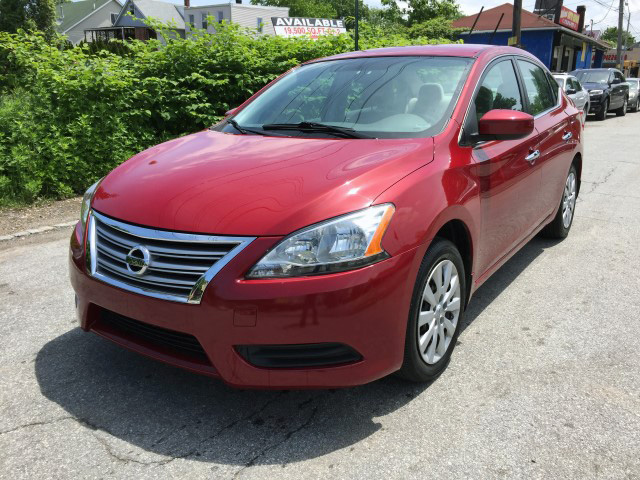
<point>138,260</point>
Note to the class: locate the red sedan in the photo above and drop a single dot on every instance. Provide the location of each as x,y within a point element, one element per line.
<point>332,229</point>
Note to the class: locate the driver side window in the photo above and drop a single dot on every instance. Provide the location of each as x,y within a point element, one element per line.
<point>499,90</point>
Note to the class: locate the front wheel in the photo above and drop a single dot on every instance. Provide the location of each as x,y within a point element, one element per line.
<point>561,224</point>
<point>436,314</point>
<point>602,113</point>
<point>622,111</point>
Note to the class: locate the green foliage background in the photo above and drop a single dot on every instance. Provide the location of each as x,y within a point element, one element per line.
<point>69,115</point>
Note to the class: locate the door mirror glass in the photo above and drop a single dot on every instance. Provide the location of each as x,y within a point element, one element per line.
<point>504,125</point>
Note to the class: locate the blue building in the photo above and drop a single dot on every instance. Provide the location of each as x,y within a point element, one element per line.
<point>561,48</point>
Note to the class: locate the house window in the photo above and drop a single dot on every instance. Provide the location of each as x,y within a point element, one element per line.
<point>204,20</point>
<point>132,9</point>
<point>259,26</point>
<point>192,21</point>
<point>220,16</point>
<point>114,17</point>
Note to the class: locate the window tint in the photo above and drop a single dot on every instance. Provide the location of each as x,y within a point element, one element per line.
<point>577,84</point>
<point>619,76</point>
<point>539,92</point>
<point>499,90</point>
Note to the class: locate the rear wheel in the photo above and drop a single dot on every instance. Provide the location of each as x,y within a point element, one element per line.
<point>635,106</point>
<point>602,113</point>
<point>561,224</point>
<point>436,314</point>
<point>622,111</point>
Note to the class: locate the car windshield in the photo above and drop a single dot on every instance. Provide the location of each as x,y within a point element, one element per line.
<point>382,97</point>
<point>633,84</point>
<point>592,76</point>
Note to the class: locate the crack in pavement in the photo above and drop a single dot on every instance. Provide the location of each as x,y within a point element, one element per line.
<point>595,185</point>
<point>37,424</point>
<point>286,438</point>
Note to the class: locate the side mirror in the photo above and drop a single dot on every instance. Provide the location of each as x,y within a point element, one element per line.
<point>228,113</point>
<point>571,91</point>
<point>504,125</point>
<point>615,81</point>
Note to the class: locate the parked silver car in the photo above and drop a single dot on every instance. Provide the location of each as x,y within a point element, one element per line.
<point>574,90</point>
<point>634,94</point>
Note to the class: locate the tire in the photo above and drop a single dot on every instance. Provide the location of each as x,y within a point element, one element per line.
<point>426,364</point>
<point>602,113</point>
<point>622,111</point>
<point>560,225</point>
<point>635,107</point>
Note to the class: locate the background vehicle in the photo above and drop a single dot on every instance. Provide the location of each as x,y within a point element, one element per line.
<point>333,228</point>
<point>634,94</point>
<point>608,91</point>
<point>574,90</point>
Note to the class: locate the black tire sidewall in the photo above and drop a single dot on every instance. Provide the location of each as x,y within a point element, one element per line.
<point>414,367</point>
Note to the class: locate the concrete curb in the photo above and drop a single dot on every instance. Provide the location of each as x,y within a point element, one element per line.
<point>35,231</point>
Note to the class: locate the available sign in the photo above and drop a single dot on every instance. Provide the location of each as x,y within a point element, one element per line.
<point>569,19</point>
<point>314,27</point>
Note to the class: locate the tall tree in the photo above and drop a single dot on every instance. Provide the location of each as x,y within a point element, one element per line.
<point>317,8</point>
<point>611,35</point>
<point>418,11</point>
<point>28,15</point>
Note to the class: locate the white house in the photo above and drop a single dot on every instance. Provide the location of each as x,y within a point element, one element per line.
<point>252,16</point>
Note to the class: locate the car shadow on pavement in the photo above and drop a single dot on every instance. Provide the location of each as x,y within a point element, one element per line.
<point>175,414</point>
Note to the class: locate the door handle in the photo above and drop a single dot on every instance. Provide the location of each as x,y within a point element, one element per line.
<point>567,136</point>
<point>532,156</point>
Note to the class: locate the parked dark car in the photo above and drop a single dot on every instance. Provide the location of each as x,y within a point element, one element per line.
<point>608,90</point>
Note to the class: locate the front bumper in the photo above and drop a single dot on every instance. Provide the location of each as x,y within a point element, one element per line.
<point>364,309</point>
<point>596,104</point>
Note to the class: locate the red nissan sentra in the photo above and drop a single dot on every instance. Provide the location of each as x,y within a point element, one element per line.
<point>332,229</point>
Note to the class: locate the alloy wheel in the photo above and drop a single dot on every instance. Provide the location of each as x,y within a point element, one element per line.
<point>569,200</point>
<point>439,312</point>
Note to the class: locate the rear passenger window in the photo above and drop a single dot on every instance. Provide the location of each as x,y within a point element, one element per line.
<point>499,90</point>
<point>539,92</point>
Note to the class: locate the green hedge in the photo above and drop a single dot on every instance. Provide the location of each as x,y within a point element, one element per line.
<point>69,115</point>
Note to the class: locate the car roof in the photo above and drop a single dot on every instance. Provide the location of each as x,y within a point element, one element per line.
<point>469,50</point>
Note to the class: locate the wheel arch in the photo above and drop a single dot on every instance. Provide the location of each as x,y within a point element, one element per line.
<point>577,162</point>
<point>457,232</point>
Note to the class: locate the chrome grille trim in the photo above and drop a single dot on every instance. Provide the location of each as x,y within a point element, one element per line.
<point>181,267</point>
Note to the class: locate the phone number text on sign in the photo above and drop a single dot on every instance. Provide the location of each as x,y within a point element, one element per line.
<point>314,32</point>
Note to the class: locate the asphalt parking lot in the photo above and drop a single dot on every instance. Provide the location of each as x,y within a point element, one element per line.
<point>545,382</point>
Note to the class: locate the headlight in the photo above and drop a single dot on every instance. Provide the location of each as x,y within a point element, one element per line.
<point>632,94</point>
<point>596,92</point>
<point>86,203</point>
<point>343,243</point>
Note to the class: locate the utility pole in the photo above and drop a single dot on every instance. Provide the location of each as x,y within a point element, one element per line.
<point>619,59</point>
<point>357,21</point>
<point>626,37</point>
<point>517,17</point>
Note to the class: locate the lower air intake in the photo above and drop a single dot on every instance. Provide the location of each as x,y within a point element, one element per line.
<point>298,356</point>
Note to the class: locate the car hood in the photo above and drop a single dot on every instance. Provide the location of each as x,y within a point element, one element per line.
<point>595,86</point>
<point>219,183</point>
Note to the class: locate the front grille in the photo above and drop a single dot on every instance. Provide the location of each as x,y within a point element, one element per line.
<point>170,265</point>
<point>299,356</point>
<point>150,336</point>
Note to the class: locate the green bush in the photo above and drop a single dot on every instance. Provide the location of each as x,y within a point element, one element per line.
<point>69,115</point>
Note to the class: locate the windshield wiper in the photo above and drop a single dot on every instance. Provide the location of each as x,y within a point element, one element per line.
<point>316,127</point>
<point>244,130</point>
